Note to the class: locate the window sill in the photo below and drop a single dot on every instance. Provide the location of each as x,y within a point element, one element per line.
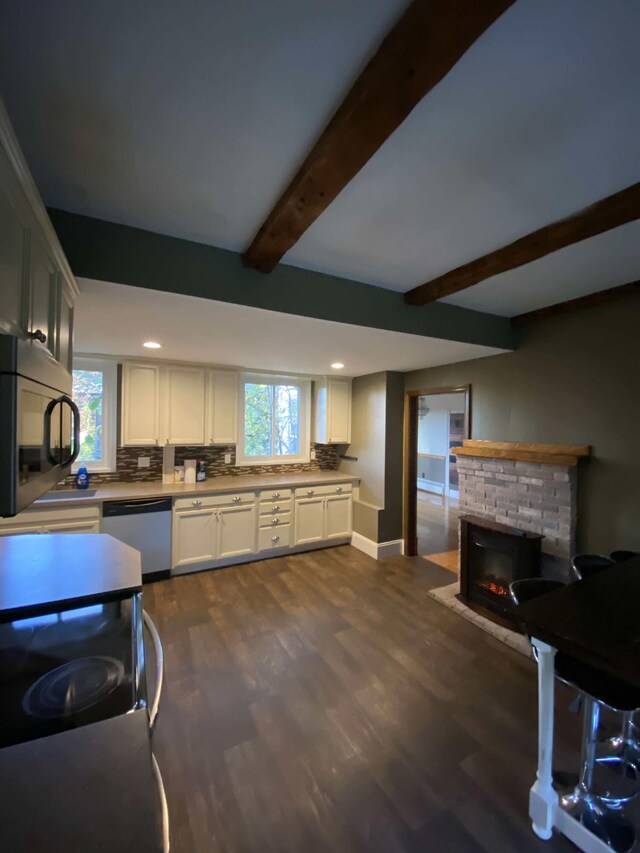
<point>269,460</point>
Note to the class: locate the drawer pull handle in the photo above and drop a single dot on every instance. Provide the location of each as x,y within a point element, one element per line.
<point>309,492</point>
<point>275,508</point>
<point>275,496</point>
<point>197,503</point>
<point>237,500</point>
<point>275,538</point>
<point>275,521</point>
<point>339,489</point>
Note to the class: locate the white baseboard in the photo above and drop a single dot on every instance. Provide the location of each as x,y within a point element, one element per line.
<point>377,550</point>
<point>430,486</point>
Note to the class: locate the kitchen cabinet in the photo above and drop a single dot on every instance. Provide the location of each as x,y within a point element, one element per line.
<point>213,527</point>
<point>33,268</point>
<point>223,407</point>
<point>184,400</point>
<point>140,403</point>
<point>323,513</point>
<point>165,403</point>
<point>12,250</point>
<point>64,329</point>
<point>194,536</point>
<point>309,521</point>
<point>338,516</point>
<point>236,531</point>
<point>332,411</point>
<point>37,519</point>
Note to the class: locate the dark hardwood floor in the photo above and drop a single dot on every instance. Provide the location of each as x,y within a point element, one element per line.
<point>322,702</point>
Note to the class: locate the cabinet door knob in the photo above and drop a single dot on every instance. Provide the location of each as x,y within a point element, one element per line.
<point>275,508</point>
<point>275,496</point>
<point>339,489</point>
<point>309,492</point>
<point>197,503</point>
<point>38,335</point>
<point>275,521</point>
<point>275,538</point>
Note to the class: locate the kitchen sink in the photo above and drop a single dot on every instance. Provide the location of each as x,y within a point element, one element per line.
<point>68,494</point>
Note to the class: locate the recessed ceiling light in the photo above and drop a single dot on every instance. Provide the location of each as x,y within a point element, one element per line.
<point>337,365</point>
<point>152,345</point>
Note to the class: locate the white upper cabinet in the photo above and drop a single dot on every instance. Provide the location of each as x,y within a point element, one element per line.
<point>140,403</point>
<point>222,421</point>
<point>332,411</point>
<point>184,393</point>
<point>33,269</point>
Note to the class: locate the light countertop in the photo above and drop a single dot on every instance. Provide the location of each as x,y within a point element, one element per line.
<point>215,485</point>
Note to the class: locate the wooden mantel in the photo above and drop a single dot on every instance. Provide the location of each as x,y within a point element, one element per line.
<point>551,454</point>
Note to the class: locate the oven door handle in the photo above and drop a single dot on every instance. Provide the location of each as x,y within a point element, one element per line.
<point>157,645</point>
<point>75,411</point>
<point>47,431</point>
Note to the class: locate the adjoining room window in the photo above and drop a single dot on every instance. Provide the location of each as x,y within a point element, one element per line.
<point>94,392</point>
<point>274,420</point>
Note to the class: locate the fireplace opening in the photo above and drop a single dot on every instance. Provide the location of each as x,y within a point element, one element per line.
<point>491,557</point>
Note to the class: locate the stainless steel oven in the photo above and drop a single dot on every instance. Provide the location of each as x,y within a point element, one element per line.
<point>39,424</point>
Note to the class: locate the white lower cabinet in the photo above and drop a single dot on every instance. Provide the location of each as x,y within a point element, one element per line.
<point>194,536</point>
<point>338,516</point>
<point>309,521</point>
<point>79,519</point>
<point>210,529</point>
<point>214,527</point>
<point>236,531</point>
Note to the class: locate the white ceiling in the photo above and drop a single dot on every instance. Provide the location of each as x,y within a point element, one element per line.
<point>190,118</point>
<point>115,319</point>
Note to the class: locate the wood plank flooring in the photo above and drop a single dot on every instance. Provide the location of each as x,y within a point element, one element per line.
<point>437,524</point>
<point>322,702</point>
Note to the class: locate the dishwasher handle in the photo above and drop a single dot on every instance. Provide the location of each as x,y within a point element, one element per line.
<point>113,508</point>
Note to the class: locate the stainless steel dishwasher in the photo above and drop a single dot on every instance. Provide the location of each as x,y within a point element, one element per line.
<point>145,525</point>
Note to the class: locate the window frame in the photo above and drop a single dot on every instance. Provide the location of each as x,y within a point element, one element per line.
<point>304,436</point>
<point>109,371</point>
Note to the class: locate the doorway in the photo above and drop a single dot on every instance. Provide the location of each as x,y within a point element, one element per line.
<point>436,420</point>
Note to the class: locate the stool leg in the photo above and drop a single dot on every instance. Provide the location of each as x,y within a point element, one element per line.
<point>610,826</point>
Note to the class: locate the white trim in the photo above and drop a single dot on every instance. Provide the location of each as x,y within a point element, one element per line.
<point>377,550</point>
<point>431,486</point>
<point>305,419</point>
<point>109,413</point>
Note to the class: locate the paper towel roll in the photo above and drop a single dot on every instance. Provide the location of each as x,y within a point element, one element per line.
<point>189,470</point>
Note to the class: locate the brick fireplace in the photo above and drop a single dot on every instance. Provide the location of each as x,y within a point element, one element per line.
<point>530,487</point>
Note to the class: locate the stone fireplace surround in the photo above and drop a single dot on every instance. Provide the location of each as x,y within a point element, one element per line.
<point>532,487</point>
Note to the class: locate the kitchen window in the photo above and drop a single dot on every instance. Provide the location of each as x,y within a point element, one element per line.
<point>94,392</point>
<point>274,420</point>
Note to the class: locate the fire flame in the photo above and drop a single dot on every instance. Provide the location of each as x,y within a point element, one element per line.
<point>495,588</point>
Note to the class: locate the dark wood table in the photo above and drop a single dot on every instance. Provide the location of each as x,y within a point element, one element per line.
<point>596,620</point>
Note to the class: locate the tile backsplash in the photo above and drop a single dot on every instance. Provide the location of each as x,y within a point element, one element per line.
<point>128,471</point>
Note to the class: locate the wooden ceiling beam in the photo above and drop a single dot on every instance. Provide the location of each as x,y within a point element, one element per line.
<point>610,212</point>
<point>422,47</point>
<point>571,305</point>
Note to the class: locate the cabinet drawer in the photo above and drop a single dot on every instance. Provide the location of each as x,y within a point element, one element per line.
<point>269,539</point>
<point>275,520</point>
<point>205,501</point>
<point>276,508</point>
<point>43,517</point>
<point>275,495</point>
<point>333,489</point>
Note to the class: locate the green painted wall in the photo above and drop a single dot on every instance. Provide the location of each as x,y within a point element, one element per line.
<point>117,253</point>
<point>574,379</point>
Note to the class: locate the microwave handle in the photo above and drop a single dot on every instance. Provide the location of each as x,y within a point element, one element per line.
<point>47,431</point>
<point>76,429</point>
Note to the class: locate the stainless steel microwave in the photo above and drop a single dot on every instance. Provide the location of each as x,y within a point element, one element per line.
<point>39,423</point>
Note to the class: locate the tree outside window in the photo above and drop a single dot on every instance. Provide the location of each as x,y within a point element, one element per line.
<point>88,396</point>
<point>272,420</point>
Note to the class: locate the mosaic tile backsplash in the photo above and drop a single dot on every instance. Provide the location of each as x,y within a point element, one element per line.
<point>128,471</point>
